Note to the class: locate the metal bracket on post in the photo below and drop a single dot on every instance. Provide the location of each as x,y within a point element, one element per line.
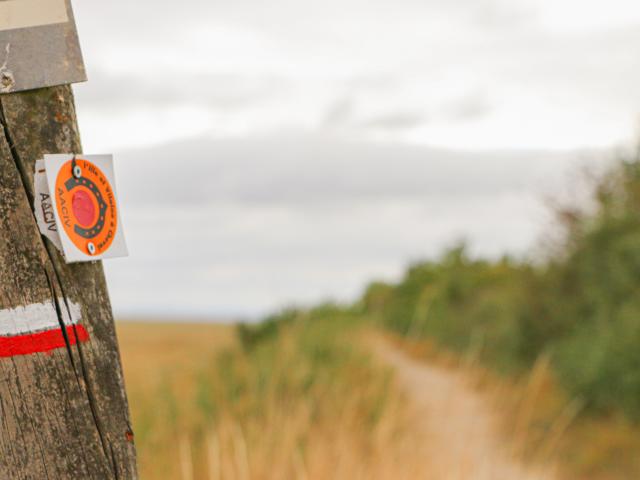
<point>39,41</point>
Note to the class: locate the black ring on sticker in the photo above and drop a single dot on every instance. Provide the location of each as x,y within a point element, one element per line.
<point>93,231</point>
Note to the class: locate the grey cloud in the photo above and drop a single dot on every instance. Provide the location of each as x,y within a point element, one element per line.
<point>340,113</point>
<point>296,170</point>
<point>377,82</point>
<point>503,16</point>
<point>218,91</point>
<point>343,113</point>
<point>469,107</point>
<point>396,121</point>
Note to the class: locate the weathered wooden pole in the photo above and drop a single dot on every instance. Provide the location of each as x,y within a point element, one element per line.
<point>63,407</point>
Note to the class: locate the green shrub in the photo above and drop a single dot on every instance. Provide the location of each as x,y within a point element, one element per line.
<point>581,305</point>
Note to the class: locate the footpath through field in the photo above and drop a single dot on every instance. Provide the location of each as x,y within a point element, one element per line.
<point>462,441</point>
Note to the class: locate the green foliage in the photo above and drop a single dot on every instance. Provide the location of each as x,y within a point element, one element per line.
<point>582,306</point>
<point>251,335</point>
<point>597,287</point>
<point>298,358</point>
<point>464,303</point>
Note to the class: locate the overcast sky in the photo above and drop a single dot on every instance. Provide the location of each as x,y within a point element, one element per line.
<point>289,151</point>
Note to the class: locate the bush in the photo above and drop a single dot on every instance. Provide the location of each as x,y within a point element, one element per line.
<point>581,305</point>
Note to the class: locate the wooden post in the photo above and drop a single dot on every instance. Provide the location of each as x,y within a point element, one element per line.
<point>63,411</point>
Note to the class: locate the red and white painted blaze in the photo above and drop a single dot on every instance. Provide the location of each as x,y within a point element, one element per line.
<point>36,328</point>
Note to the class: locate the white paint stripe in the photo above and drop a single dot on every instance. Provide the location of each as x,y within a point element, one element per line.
<point>31,13</point>
<point>35,318</point>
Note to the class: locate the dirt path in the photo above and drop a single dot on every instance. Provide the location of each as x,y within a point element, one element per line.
<point>457,423</point>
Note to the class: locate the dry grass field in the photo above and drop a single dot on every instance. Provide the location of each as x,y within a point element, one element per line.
<point>158,355</point>
<point>323,400</point>
<point>161,363</point>
<point>313,402</point>
<point>302,406</point>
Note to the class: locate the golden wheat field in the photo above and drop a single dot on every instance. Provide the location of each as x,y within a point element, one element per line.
<point>328,402</point>
<point>287,421</point>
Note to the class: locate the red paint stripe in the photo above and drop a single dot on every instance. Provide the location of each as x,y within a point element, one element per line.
<point>45,341</point>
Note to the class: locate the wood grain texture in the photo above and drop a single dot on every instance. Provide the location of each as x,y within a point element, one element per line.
<point>63,414</point>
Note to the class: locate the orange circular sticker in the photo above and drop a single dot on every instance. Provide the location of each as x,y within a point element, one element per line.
<point>86,206</point>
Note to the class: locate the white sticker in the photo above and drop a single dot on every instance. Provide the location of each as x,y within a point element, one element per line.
<point>31,13</point>
<point>85,207</point>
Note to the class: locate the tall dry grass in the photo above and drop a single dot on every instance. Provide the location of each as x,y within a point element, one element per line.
<point>305,404</point>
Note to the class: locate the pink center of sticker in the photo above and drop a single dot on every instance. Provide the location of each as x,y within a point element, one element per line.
<point>83,208</point>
